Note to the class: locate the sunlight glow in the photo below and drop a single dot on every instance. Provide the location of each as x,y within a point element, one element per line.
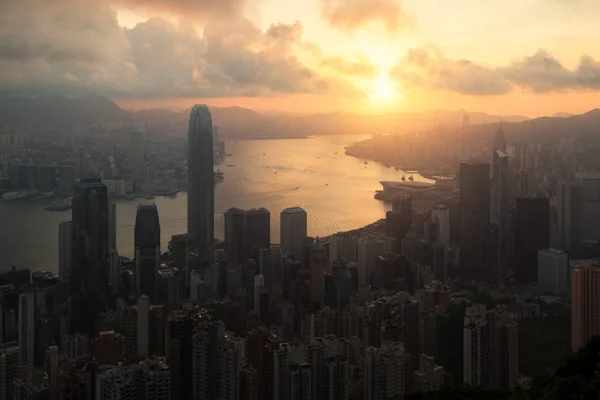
<point>383,89</point>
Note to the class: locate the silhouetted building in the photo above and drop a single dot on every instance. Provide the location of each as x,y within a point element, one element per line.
<point>532,233</point>
<point>201,185</point>
<point>89,269</point>
<point>474,221</point>
<point>147,251</point>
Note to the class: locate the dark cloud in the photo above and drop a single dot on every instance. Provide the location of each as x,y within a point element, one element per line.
<point>353,14</point>
<point>79,48</point>
<point>543,73</point>
<point>359,66</point>
<point>427,67</point>
<point>539,73</point>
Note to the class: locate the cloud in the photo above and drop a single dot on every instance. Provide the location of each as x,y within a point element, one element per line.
<point>538,73</point>
<point>79,48</point>
<point>354,14</point>
<point>359,66</point>
<point>427,67</point>
<point>188,10</point>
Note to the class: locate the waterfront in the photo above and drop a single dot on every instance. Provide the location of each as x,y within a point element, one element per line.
<point>336,191</point>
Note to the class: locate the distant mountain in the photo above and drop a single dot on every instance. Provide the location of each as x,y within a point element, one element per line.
<point>562,115</point>
<point>53,110</point>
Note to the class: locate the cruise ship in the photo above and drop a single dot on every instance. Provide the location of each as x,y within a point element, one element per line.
<point>407,186</point>
<point>60,205</point>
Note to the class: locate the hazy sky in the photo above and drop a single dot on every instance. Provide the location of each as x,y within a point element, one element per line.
<point>532,57</point>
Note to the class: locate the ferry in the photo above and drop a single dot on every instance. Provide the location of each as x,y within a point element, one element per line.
<point>60,205</point>
<point>408,187</point>
<point>42,196</point>
<point>12,196</point>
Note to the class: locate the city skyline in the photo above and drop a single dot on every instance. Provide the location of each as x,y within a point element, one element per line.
<point>329,55</point>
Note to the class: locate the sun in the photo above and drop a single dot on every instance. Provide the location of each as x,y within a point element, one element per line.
<point>383,89</point>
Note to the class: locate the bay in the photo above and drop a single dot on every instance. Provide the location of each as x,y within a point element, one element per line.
<point>313,173</point>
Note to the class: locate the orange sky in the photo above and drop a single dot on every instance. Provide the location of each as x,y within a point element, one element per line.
<point>528,57</point>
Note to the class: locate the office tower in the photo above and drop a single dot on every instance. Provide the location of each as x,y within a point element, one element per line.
<point>585,303</point>
<point>384,372</point>
<point>590,206</point>
<point>259,285</point>
<point>153,379</point>
<point>27,327</point>
<point>116,383</point>
<point>450,342</point>
<point>257,229</point>
<point>441,214</point>
<point>147,251</point>
<point>234,235</point>
<point>337,290</point>
<point>136,149</point>
<point>180,247</point>
<point>477,351</point>
<point>169,287</point>
<point>342,246</point>
<point>429,377</point>
<point>369,248</point>
<point>112,225</point>
<point>65,249</point>
<point>500,208</point>
<point>180,328</point>
<point>9,367</point>
<point>201,186</point>
<point>553,271</point>
<point>474,222</point>
<point>532,233</point>
<point>318,264</point>
<point>569,215</point>
<point>293,231</point>
<point>399,220</point>
<point>89,272</point>
<point>205,359</point>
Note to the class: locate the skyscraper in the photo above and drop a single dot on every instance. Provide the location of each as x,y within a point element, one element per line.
<point>147,250</point>
<point>234,235</point>
<point>201,182</point>
<point>89,275</point>
<point>500,196</point>
<point>474,220</point>
<point>585,303</point>
<point>65,251</point>
<point>27,328</point>
<point>257,229</point>
<point>293,231</point>
<point>532,233</point>
<point>569,211</point>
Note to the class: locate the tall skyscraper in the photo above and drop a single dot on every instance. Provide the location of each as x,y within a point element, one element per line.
<point>65,248</point>
<point>234,235</point>
<point>89,275</point>
<point>532,233</point>
<point>293,231</point>
<point>569,215</point>
<point>500,209</point>
<point>257,228</point>
<point>474,220</point>
<point>112,225</point>
<point>27,328</point>
<point>369,248</point>
<point>201,196</point>
<point>147,250</point>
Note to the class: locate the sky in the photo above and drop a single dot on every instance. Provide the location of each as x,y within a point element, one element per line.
<point>525,57</point>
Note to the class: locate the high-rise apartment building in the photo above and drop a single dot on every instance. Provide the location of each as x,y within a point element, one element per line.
<point>9,364</point>
<point>318,264</point>
<point>234,235</point>
<point>590,206</point>
<point>293,231</point>
<point>201,185</point>
<point>384,372</point>
<point>474,220</point>
<point>89,272</point>
<point>147,251</point>
<point>441,213</point>
<point>153,379</point>
<point>553,271</point>
<point>429,377</point>
<point>477,350</point>
<point>532,233</point>
<point>180,328</point>
<point>585,303</point>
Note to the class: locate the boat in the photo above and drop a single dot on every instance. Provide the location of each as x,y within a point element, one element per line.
<point>231,165</point>
<point>327,184</point>
<point>365,163</point>
<point>148,196</point>
<point>408,187</point>
<point>403,178</point>
<point>296,188</point>
<point>42,196</point>
<point>60,205</point>
<point>12,196</point>
<point>410,178</point>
